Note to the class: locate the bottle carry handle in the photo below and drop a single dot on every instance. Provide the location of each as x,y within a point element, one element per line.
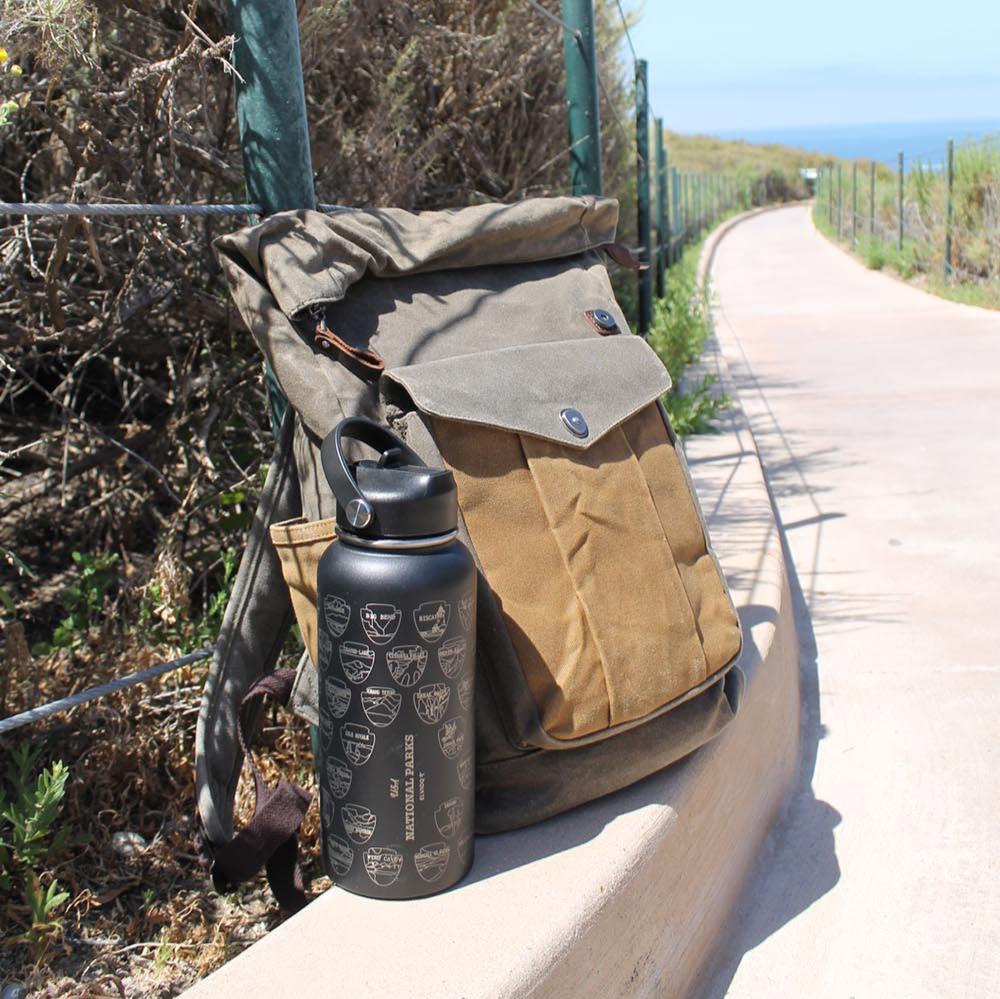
<point>358,510</point>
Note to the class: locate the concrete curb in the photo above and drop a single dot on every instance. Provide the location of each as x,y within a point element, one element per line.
<point>629,895</point>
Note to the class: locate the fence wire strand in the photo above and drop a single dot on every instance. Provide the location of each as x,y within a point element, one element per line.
<point>555,19</point>
<point>93,693</point>
<point>56,209</point>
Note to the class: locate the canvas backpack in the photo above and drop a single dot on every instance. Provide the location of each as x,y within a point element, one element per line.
<point>489,338</point>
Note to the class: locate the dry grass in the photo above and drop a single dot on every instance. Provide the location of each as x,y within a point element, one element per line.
<point>146,921</point>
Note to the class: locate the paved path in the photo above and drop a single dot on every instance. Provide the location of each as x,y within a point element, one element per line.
<point>876,409</point>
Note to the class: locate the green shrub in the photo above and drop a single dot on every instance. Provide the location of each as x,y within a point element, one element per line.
<point>82,601</point>
<point>681,326</point>
<point>873,252</point>
<point>30,844</point>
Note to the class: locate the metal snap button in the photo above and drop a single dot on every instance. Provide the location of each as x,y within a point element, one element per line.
<point>604,319</point>
<point>575,423</point>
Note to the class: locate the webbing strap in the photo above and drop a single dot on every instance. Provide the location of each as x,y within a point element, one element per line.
<point>270,839</point>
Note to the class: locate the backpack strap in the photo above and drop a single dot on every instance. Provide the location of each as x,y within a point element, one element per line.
<point>256,623</point>
<point>270,839</point>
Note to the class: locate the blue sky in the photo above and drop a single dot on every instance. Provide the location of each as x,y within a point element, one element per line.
<point>748,65</point>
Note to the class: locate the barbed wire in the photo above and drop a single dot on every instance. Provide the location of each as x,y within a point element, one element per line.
<point>93,693</point>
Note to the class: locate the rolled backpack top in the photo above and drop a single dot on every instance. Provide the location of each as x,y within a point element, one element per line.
<point>490,340</point>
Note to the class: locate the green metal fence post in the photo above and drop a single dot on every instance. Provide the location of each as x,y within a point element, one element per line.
<point>685,213</point>
<point>271,110</point>
<point>661,210</point>
<point>949,209</point>
<point>840,200</point>
<point>689,207</point>
<point>675,212</point>
<point>274,134</point>
<point>899,202</point>
<point>583,109</point>
<point>871,199</point>
<point>642,195</point>
<point>692,205</point>
<point>830,197</point>
<point>854,205</point>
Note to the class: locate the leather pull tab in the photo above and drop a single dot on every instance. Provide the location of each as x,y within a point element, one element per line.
<point>624,257</point>
<point>328,340</point>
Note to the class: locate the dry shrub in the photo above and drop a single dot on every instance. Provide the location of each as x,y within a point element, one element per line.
<point>133,421</point>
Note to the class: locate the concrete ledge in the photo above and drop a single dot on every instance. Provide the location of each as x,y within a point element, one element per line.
<point>629,895</point>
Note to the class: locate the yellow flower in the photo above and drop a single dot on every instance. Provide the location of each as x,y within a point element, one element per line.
<point>3,55</point>
<point>15,70</point>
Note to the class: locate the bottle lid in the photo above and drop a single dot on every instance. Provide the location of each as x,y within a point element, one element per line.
<point>395,496</point>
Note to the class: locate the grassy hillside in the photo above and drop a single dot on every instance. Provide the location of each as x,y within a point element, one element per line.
<point>778,165</point>
<point>709,152</point>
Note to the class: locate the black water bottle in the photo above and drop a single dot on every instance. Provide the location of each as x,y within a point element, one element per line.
<point>397,606</point>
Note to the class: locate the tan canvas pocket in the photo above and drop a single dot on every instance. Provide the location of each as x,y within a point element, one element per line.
<point>592,545</point>
<point>300,545</point>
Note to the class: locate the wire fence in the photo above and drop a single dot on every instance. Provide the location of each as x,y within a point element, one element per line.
<point>103,690</point>
<point>58,209</point>
<point>936,213</point>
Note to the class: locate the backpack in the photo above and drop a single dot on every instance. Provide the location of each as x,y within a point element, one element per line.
<point>489,338</point>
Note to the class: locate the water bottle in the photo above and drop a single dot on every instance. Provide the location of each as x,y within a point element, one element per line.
<point>396,595</point>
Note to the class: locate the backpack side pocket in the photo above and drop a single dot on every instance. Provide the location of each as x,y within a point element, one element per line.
<point>300,544</point>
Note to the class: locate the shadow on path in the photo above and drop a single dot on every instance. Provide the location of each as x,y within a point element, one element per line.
<point>802,837</point>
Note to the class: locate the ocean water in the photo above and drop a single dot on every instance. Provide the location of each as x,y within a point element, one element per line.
<point>925,141</point>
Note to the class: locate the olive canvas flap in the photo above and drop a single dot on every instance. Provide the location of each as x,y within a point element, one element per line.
<point>538,389</point>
